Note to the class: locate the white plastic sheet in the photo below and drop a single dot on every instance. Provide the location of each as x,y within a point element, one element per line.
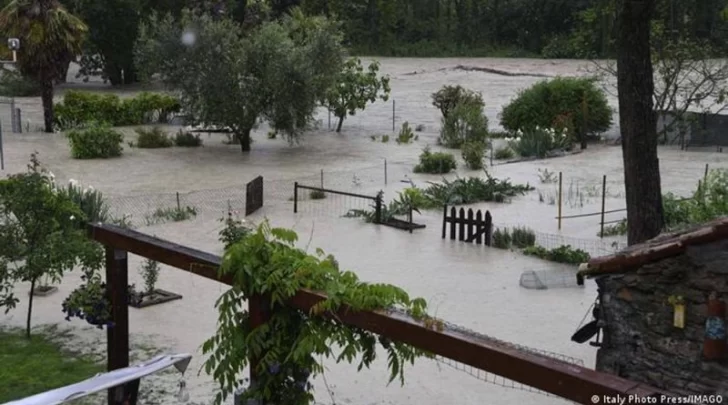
<point>105,381</point>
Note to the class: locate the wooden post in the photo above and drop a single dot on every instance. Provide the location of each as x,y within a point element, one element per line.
<point>295,197</point>
<point>705,176</point>
<point>560,194</point>
<point>385,172</point>
<point>444,221</point>
<point>410,218</point>
<point>378,208</point>
<point>259,309</point>
<point>604,199</point>
<point>489,227</point>
<point>491,153</point>
<point>322,178</point>
<point>179,207</point>
<point>394,103</point>
<point>117,333</point>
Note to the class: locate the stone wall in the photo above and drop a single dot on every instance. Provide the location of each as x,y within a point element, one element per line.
<point>639,340</point>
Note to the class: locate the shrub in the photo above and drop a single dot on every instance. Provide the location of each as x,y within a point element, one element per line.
<point>562,254</point>
<point>471,190</point>
<point>539,142</point>
<point>79,107</point>
<point>95,141</point>
<point>504,153</point>
<point>13,84</point>
<point>448,97</point>
<point>474,154</point>
<point>187,139</point>
<point>150,274</point>
<point>501,238</point>
<point>523,237</point>
<point>464,123</point>
<point>435,163</point>
<point>498,134</point>
<point>234,230</point>
<point>405,135</point>
<point>176,214</point>
<point>577,104</point>
<point>152,138</point>
<point>317,195</point>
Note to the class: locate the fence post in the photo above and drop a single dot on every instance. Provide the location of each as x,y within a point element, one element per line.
<point>385,172</point>
<point>117,335</point>
<point>491,153</point>
<point>560,193</point>
<point>179,207</point>
<point>12,116</point>
<point>394,103</point>
<point>329,120</point>
<point>410,217</point>
<point>604,199</point>
<point>444,221</point>
<point>705,176</point>
<point>19,120</point>
<point>322,178</point>
<point>2,152</point>
<point>295,197</point>
<point>259,310</point>
<point>378,208</point>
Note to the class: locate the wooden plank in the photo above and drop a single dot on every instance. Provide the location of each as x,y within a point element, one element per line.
<point>444,221</point>
<point>471,221</point>
<point>479,220</point>
<point>453,223</point>
<point>489,228</point>
<point>568,381</point>
<point>461,223</point>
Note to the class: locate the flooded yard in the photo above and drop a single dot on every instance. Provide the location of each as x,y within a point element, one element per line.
<point>473,286</point>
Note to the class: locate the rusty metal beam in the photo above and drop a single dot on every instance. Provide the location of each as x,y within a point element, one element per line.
<point>568,381</point>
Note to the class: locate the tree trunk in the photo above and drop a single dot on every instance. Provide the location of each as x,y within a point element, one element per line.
<point>245,140</point>
<point>341,122</point>
<point>30,308</point>
<point>638,121</point>
<point>46,95</point>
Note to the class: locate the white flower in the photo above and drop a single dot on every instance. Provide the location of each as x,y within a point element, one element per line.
<point>51,175</point>
<point>72,217</point>
<point>72,182</point>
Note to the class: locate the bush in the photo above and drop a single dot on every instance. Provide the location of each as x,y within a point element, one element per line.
<point>13,84</point>
<point>153,138</point>
<point>576,104</point>
<point>501,238</point>
<point>95,141</point>
<point>498,134</point>
<point>79,107</point>
<point>539,142</point>
<point>504,153</point>
<point>435,163</point>
<point>317,195</point>
<point>464,123</point>
<point>187,139</point>
<point>522,237</point>
<point>471,190</point>
<point>562,254</point>
<point>448,97</point>
<point>406,135</point>
<point>474,154</point>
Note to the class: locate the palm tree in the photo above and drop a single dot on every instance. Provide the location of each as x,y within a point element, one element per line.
<point>50,37</point>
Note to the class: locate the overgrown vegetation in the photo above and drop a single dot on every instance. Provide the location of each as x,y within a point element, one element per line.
<point>234,229</point>
<point>405,135</point>
<point>95,141</point>
<point>153,138</point>
<point>540,142</point>
<point>176,214</point>
<point>150,274</point>
<point>187,139</point>
<point>562,254</point>
<point>474,154</point>
<point>81,107</point>
<point>466,122</point>
<point>471,190</point>
<point>709,201</point>
<point>518,238</point>
<point>574,105</point>
<point>448,98</point>
<point>14,84</point>
<point>435,162</point>
<point>292,343</point>
<point>317,195</point>
<point>35,365</point>
<point>504,153</point>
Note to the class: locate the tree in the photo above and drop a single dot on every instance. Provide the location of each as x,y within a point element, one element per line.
<point>50,37</point>
<point>354,88</point>
<point>637,120</point>
<point>41,234</point>
<point>277,71</point>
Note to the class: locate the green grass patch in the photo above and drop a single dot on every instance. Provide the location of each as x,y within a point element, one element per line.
<point>33,366</point>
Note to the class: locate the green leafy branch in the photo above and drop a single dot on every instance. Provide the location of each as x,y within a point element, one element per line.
<point>267,263</point>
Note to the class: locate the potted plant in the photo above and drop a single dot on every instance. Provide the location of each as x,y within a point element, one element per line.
<point>151,295</point>
<point>89,302</point>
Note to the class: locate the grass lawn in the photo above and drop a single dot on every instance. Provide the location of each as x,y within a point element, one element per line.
<point>29,367</point>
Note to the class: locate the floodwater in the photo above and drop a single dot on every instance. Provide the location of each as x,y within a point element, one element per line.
<point>472,286</point>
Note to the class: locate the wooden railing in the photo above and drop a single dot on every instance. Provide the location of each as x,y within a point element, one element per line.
<point>575,383</point>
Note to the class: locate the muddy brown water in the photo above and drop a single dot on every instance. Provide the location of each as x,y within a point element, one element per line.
<point>472,286</point>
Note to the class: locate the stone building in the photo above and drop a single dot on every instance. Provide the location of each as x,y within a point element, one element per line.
<point>640,291</point>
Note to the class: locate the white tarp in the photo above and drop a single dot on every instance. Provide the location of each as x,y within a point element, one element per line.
<point>105,381</point>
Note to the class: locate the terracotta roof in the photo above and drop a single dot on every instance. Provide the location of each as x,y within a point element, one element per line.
<point>661,247</point>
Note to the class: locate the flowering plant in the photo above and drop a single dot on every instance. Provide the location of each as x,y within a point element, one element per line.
<point>234,229</point>
<point>539,142</point>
